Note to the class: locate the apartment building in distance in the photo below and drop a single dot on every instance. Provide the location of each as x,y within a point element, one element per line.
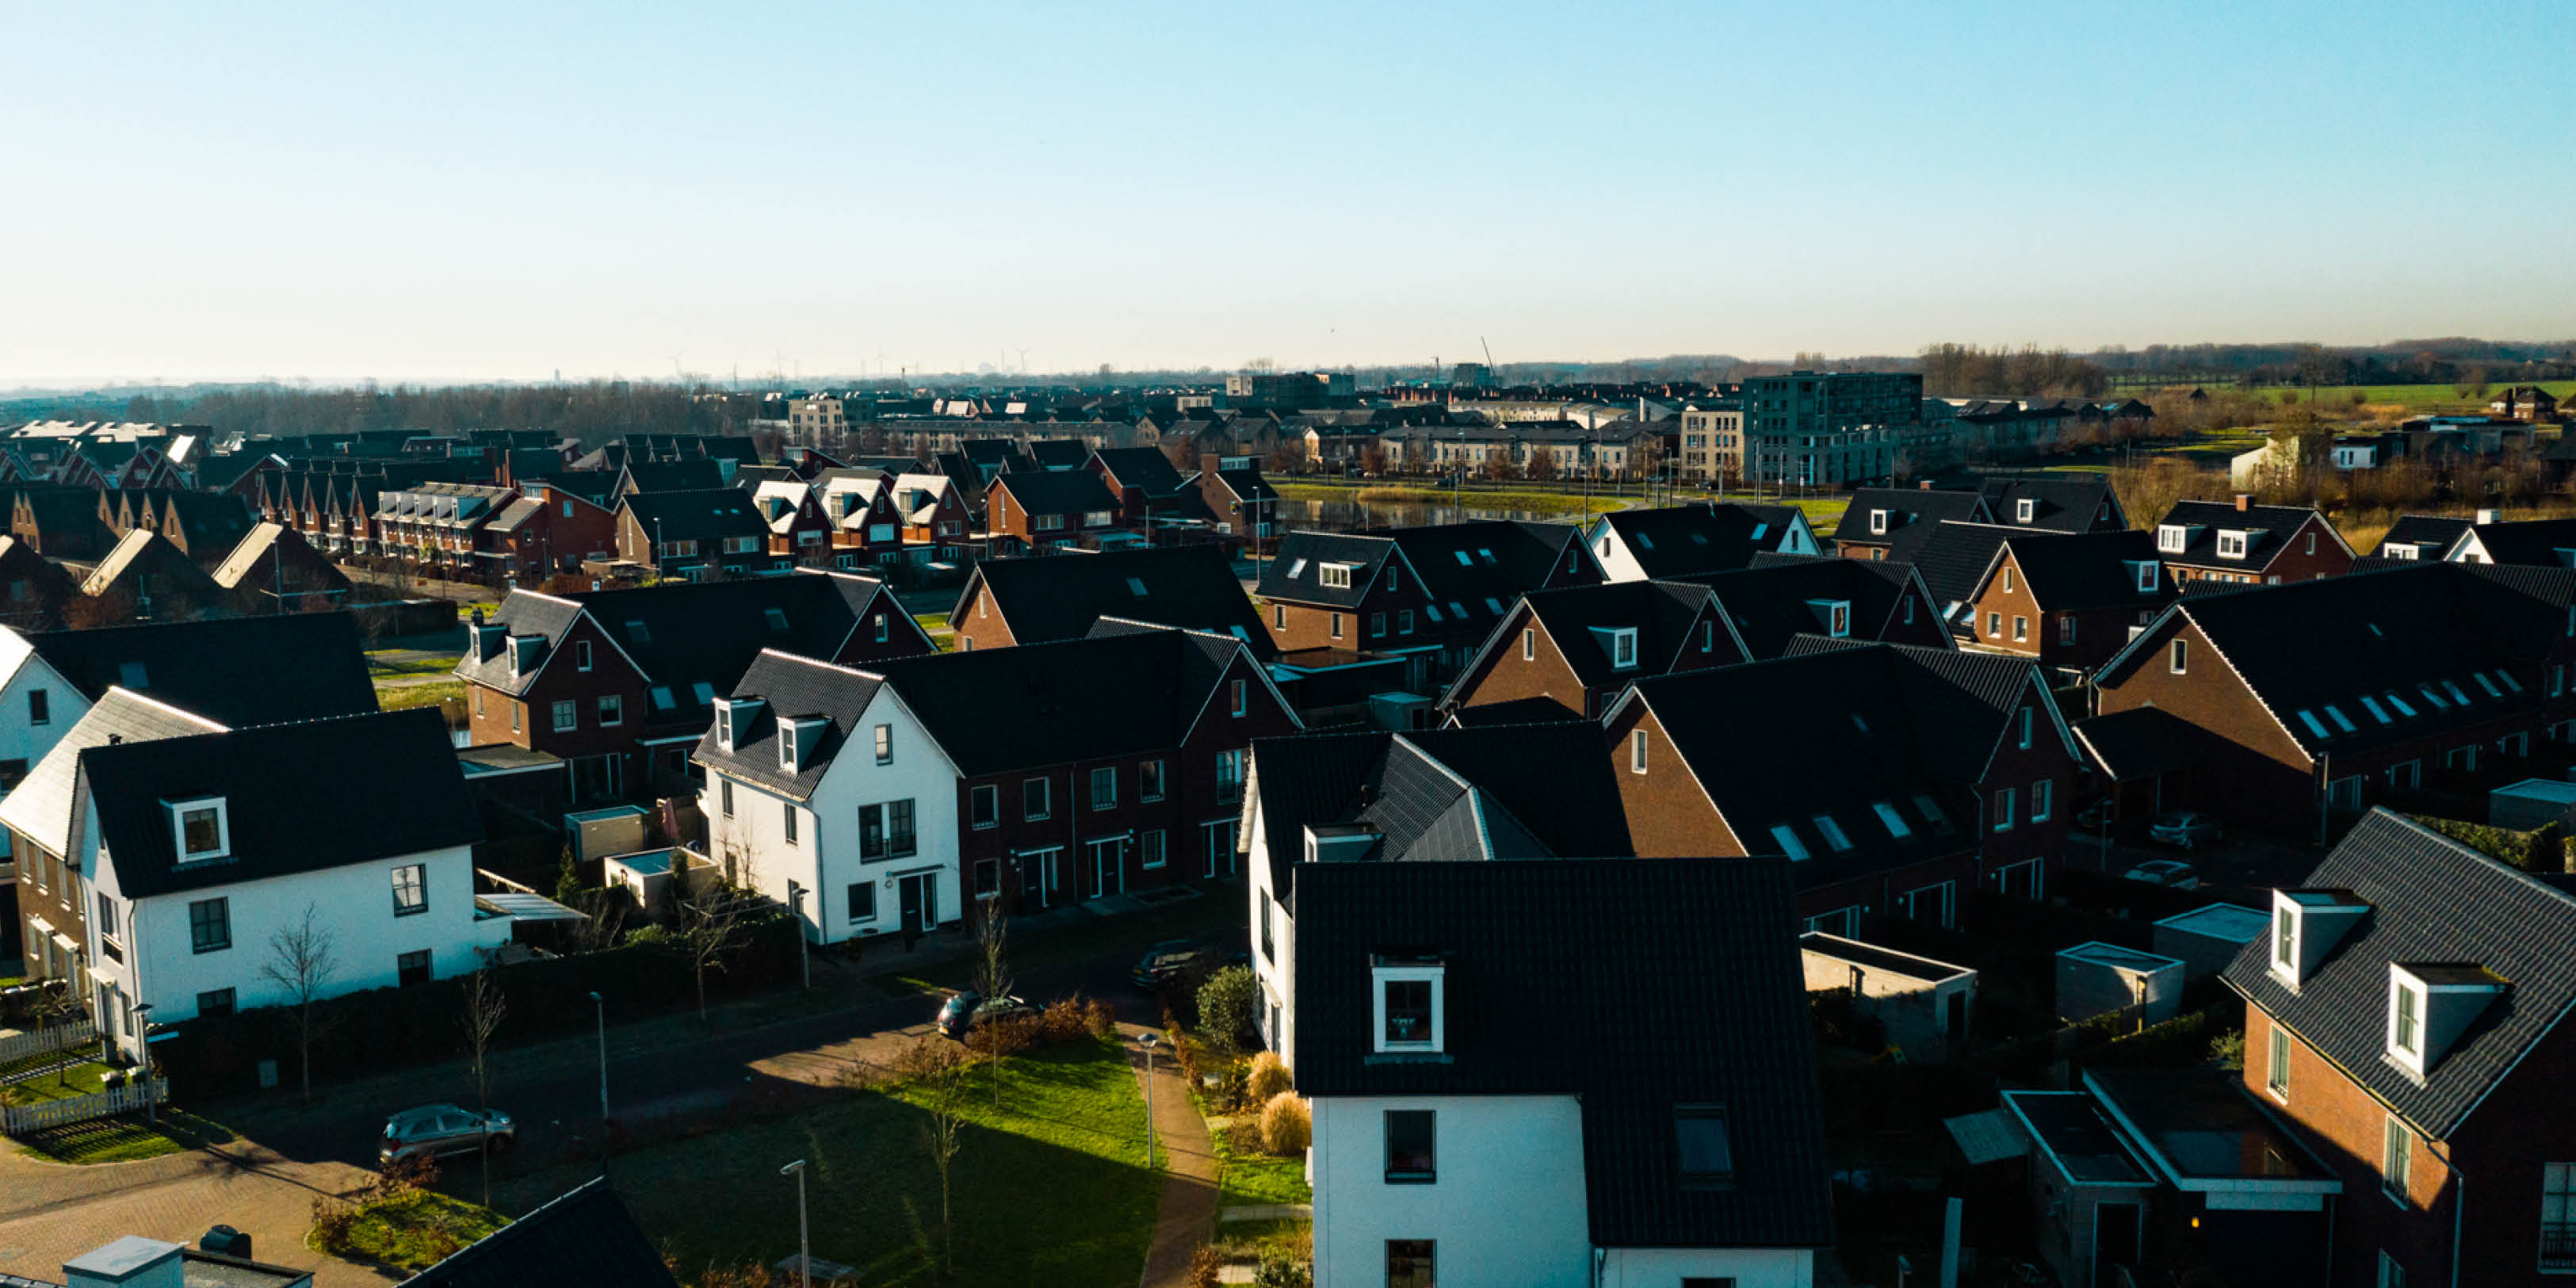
<point>1828,428</point>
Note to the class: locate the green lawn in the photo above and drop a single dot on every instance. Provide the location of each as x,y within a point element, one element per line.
<point>383,663</point>
<point>2417,398</point>
<point>1538,501</point>
<point>1245,1179</point>
<point>414,1232</point>
<point>126,1139</point>
<point>81,1079</point>
<point>1051,1189</point>
<point>397,697</point>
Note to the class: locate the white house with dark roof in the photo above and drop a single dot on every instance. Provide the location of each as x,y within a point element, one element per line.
<point>1450,1147</point>
<point>1638,545</point>
<point>198,848</point>
<point>826,793</point>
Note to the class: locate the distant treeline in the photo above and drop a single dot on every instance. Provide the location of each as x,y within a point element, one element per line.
<point>592,412</point>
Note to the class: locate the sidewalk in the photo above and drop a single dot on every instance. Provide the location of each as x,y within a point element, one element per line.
<point>1188,1210</point>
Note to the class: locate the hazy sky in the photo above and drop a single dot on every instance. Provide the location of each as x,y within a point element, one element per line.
<point>448,191</point>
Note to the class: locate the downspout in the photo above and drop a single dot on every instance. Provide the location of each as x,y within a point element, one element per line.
<point>2325,798</point>
<point>2459,1205</point>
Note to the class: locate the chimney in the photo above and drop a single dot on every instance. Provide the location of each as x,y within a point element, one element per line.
<point>1210,463</point>
<point>2244,502</point>
<point>1923,484</point>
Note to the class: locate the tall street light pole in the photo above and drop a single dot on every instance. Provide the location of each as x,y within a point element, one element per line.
<point>1147,1040</point>
<point>796,904</point>
<point>804,1245</point>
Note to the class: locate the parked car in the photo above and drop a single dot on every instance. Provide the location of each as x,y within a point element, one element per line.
<point>2172,873</point>
<point>1170,960</point>
<point>969,1008</point>
<point>2093,816</point>
<point>432,1130</point>
<point>2186,828</point>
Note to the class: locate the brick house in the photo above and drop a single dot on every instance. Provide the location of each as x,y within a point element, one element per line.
<point>2069,601</point>
<point>2297,705</point>
<point>1052,508</point>
<point>694,535</point>
<point>1782,598</point>
<point>621,683</point>
<point>1430,594</point>
<point>1565,653</point>
<point>799,530</point>
<point>2249,544</point>
<point>548,529</point>
<point>1094,766</point>
<point>1878,519</point>
<point>1033,600</point>
<point>1240,501</point>
<point>60,522</point>
<point>1878,516</point>
<point>1152,493</point>
<point>2407,1016</point>
<point>1930,773</point>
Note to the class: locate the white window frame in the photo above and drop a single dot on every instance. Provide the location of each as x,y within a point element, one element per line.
<point>1636,751</point>
<point>179,812</point>
<point>1379,978</point>
<point>2276,1066</point>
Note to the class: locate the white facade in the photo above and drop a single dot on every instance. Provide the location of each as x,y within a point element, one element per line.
<point>1619,563</point>
<point>1743,1267</point>
<point>825,857</point>
<point>23,740</point>
<point>1506,1210</point>
<point>1274,954</point>
<point>149,955</point>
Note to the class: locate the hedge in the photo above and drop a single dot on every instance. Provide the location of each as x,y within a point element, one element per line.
<point>2543,849</point>
<point>379,1029</point>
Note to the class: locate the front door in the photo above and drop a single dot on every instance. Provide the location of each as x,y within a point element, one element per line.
<point>1220,848</point>
<point>1108,867</point>
<point>2115,1239</point>
<point>1037,879</point>
<point>916,896</point>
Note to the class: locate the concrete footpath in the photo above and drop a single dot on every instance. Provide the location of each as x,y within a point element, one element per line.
<point>1187,1214</point>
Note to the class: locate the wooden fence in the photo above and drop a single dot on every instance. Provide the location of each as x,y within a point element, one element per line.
<point>19,1046</point>
<point>19,1120</point>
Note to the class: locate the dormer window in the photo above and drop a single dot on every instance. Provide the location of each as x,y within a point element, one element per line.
<point>1334,576</point>
<point>201,829</point>
<point>2144,572</point>
<point>2306,925</point>
<point>1878,523</point>
<point>1834,615</point>
<point>2406,1020</point>
<point>2171,538</point>
<point>2430,1005</point>
<point>1408,1010</point>
<point>2231,544</point>
<point>2025,510</point>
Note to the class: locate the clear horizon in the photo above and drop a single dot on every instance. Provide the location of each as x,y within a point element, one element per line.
<point>491,193</point>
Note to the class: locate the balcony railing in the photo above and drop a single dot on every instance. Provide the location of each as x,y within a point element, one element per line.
<point>2558,1246</point>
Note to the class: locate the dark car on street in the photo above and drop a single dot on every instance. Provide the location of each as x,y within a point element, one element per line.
<point>969,1008</point>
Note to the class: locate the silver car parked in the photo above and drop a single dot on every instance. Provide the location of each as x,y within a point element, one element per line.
<point>444,1129</point>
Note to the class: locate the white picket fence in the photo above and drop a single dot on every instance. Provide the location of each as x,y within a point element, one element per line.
<point>19,1046</point>
<point>18,1120</point>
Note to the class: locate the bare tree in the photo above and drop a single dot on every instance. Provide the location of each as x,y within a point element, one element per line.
<point>710,928</point>
<point>484,1010</point>
<point>939,1069</point>
<point>993,979</point>
<point>302,962</point>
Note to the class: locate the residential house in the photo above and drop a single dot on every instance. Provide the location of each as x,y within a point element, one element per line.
<point>59,522</point>
<point>2069,601</point>
<point>1952,559</point>
<point>2407,1016</point>
<point>1564,654</point>
<point>205,526</point>
<point>1678,541</point>
<point>2424,537</point>
<point>1024,510</point>
<point>197,849</point>
<point>695,474</point>
<point>437,524</point>
<point>275,570</point>
<point>147,577</point>
<point>33,589</point>
<point>1516,791</point>
<point>2249,544</point>
<point>1874,523</point>
<point>1449,1148</point>
<point>1058,597</point>
<point>1932,773</point>
<point>1151,491</point>
<point>1239,500</point>
<point>1429,594</point>
<point>1783,598</point>
<point>1880,521</point>
<point>2525,402</point>
<point>2534,543</point>
<point>623,683</point>
<point>799,530</point>
<point>2064,503</point>
<point>696,535</point>
<point>551,528</point>
<point>2295,705</point>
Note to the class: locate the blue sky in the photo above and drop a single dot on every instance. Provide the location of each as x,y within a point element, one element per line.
<point>455,191</point>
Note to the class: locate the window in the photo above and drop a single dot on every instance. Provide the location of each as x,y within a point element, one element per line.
<point>2396,1158</point>
<point>2021,628</point>
<point>1149,781</point>
<point>2171,538</point>
<point>1334,576</point>
<point>1409,1262</point>
<point>612,710</point>
<point>1408,1013</point>
<point>1411,1139</point>
<point>1623,648</point>
<point>412,968</point>
<point>2391,1273</point>
<point>1269,951</point>
<point>863,901</point>
<point>411,889</point>
<point>2043,798</point>
<point>2406,1021</point>
<point>2231,545</point>
<point>2008,578</point>
<point>2066,630</point>
<point>1229,775</point>
<point>2285,941</point>
<point>1878,523</point>
<point>2276,1069</point>
<point>724,795</point>
<point>1404,622</point>
<point>1994,625</point>
<point>210,925</point>
<point>215,1003</point>
<point>2558,1216</point>
<point>885,744</point>
<point>2022,729</point>
<point>1104,787</point>
<point>885,830</point>
<point>204,831</point>
<point>1035,801</point>
<point>515,708</point>
<point>581,655</point>
<point>567,716</point>
<point>1279,616</point>
<point>1336,624</point>
<point>39,707</point>
<point>2180,659</point>
<point>881,628</point>
<point>1242,688</point>
<point>1832,832</point>
<point>1707,1155</point>
<point>790,825</point>
<point>1637,751</point>
<point>1377,627</point>
<point>1787,837</point>
<point>2004,810</point>
<point>1894,822</point>
<point>1529,644</point>
<point>984,805</point>
<point>1150,848</point>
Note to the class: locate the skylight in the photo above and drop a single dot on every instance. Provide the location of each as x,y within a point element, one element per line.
<point>704,692</point>
<point>2309,718</point>
<point>777,618</point>
<point>1484,554</point>
<point>1895,822</point>
<point>2509,681</point>
<point>1493,605</point>
<point>1296,567</point>
<point>133,676</point>
<point>2439,702</point>
<point>1458,610</point>
<point>2400,705</point>
<point>1858,723</point>
<point>1465,560</point>
<point>2341,721</point>
<point>1932,812</point>
<point>1136,587</point>
<point>2453,688</point>
<point>661,694</point>
<point>1832,832</point>
<point>635,631</point>
<point>2486,684</point>
<point>1645,542</point>
<point>1789,842</point>
<point>1699,538</point>
<point>1433,610</point>
<point>1759,529</point>
<point>2371,705</point>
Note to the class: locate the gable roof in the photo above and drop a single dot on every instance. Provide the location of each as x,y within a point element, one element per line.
<point>45,805</point>
<point>1952,557</point>
<point>1058,597</point>
<point>2432,535</point>
<point>2537,543</point>
<point>1477,570</point>
<point>696,474</point>
<point>1677,541</point>
<point>1580,618</point>
<point>1057,491</point>
<point>1146,469</point>
<point>1905,508</point>
<point>2061,503</point>
<point>790,688</point>
<point>141,553</point>
<point>2431,899</point>
<point>2267,528</point>
<point>237,671</point>
<point>702,515</point>
<point>297,797</point>
<point>1772,603</point>
<point>1296,572</point>
<point>2088,570</point>
<point>1708,947</point>
<point>584,1239</point>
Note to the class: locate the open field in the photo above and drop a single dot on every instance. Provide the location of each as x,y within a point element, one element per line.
<point>2422,399</point>
<point>1567,504</point>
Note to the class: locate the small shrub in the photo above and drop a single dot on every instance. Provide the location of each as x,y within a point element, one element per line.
<point>331,1221</point>
<point>1267,1077</point>
<point>1228,1091</point>
<point>1285,1125</point>
<point>1204,1266</point>
<point>402,1178</point>
<point>1227,1004</point>
<point>2227,1051</point>
<point>1243,1135</point>
<point>1279,1270</point>
<point>1099,1019</point>
<point>1063,1021</point>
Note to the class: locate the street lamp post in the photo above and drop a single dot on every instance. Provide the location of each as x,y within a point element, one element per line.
<point>796,904</point>
<point>143,1031</point>
<point>1147,1040</point>
<point>804,1245</point>
<point>601,1007</point>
